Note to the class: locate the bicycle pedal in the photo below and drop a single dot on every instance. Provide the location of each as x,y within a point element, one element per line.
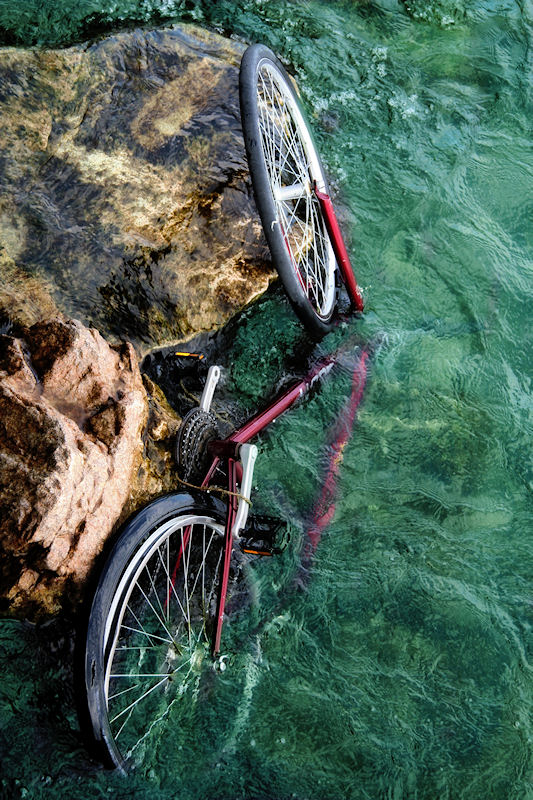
<point>260,536</point>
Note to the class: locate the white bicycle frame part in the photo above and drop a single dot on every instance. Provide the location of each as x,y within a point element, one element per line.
<point>213,377</point>
<point>247,455</point>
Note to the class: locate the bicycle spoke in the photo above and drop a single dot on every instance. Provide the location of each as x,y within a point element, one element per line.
<point>135,702</point>
<point>163,610</point>
<point>124,723</point>
<point>132,675</point>
<point>159,619</point>
<point>150,635</point>
<point>140,675</point>
<point>204,555</point>
<point>166,567</point>
<point>290,172</point>
<point>313,262</point>
<point>321,252</point>
<point>157,721</point>
<point>279,146</point>
<point>186,585</point>
<point>171,589</point>
<point>207,605</point>
<point>123,691</point>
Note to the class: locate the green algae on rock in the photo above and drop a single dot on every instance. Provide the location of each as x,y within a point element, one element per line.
<point>124,191</point>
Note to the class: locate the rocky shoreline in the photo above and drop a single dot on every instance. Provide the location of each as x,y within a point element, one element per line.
<point>126,222</point>
<point>79,435</point>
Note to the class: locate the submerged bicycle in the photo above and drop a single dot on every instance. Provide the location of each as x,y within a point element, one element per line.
<point>158,611</point>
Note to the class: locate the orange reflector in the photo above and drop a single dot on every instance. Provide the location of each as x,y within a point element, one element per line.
<point>199,356</point>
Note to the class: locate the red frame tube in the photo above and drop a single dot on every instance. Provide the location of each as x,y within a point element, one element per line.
<point>228,545</point>
<point>258,423</point>
<point>226,450</point>
<point>264,418</point>
<point>339,248</point>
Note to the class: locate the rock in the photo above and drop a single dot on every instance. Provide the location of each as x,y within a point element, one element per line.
<point>72,410</point>
<point>125,199</point>
<point>157,473</point>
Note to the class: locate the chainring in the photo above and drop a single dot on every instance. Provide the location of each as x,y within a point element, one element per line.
<point>197,429</point>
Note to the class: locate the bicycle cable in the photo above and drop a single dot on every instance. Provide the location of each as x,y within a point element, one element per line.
<point>219,489</point>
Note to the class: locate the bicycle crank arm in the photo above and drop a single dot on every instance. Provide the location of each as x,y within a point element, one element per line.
<point>248,455</point>
<point>213,376</point>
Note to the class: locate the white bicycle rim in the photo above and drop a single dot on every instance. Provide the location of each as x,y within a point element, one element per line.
<point>293,167</point>
<point>173,631</point>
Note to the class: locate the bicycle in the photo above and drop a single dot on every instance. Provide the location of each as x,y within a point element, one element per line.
<point>291,193</point>
<point>158,611</point>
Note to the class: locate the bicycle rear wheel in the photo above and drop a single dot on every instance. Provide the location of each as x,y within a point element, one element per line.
<point>152,623</point>
<point>284,167</point>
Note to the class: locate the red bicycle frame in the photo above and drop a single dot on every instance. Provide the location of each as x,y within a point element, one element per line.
<point>227,450</point>
<point>339,248</point>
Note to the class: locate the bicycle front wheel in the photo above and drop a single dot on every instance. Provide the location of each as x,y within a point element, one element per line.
<point>284,167</point>
<point>152,623</point>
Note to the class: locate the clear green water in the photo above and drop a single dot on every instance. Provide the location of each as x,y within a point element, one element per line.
<point>401,665</point>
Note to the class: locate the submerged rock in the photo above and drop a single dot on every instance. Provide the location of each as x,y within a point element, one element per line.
<point>72,410</point>
<point>124,192</point>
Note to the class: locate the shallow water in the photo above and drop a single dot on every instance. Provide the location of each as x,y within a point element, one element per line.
<point>399,664</point>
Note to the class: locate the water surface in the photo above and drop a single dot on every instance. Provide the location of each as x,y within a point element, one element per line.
<point>400,666</point>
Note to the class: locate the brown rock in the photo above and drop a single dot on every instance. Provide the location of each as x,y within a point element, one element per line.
<point>157,471</point>
<point>124,192</point>
<point>72,410</point>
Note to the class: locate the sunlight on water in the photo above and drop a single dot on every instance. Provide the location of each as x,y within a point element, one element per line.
<point>397,663</point>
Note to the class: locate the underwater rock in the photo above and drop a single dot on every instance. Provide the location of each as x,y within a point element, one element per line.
<point>72,410</point>
<point>125,198</point>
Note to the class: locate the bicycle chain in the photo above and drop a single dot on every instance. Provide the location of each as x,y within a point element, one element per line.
<point>197,429</point>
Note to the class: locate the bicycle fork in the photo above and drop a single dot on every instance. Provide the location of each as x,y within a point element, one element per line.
<point>339,248</point>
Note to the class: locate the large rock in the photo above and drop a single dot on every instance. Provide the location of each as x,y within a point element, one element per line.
<point>72,410</point>
<point>124,193</point>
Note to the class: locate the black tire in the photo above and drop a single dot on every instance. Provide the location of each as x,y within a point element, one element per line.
<point>283,162</point>
<point>152,623</point>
